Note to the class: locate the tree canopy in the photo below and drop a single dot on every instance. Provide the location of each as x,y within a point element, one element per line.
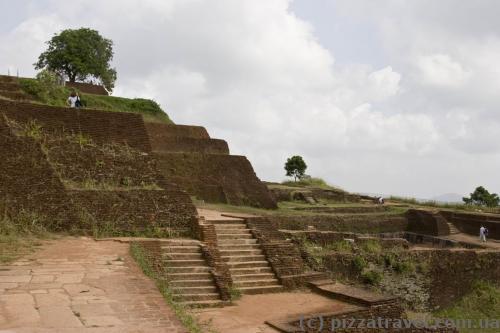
<point>481,197</point>
<point>80,54</point>
<point>295,167</point>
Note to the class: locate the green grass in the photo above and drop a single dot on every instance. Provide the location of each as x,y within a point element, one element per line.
<point>20,235</point>
<point>311,182</point>
<point>287,208</point>
<point>482,302</point>
<point>181,311</point>
<point>57,96</point>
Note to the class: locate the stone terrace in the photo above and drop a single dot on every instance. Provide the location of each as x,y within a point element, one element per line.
<point>79,285</point>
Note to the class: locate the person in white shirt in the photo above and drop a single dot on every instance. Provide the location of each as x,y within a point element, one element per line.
<point>482,234</point>
<point>72,99</point>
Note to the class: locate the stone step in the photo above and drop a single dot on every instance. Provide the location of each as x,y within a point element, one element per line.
<point>233,232</point>
<point>252,276</point>
<point>234,236</point>
<point>219,222</point>
<point>203,304</point>
<point>230,226</point>
<point>189,269</point>
<point>181,290</point>
<point>249,264</point>
<point>184,262</point>
<point>225,253</point>
<point>238,271</point>
<point>179,256</point>
<point>188,276</point>
<point>231,259</point>
<point>239,247</point>
<point>260,290</point>
<point>196,297</point>
<point>229,242</point>
<point>192,283</point>
<point>453,229</point>
<point>181,249</point>
<point>256,283</point>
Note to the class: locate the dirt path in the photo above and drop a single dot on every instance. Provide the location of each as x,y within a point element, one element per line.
<point>251,311</point>
<point>79,285</point>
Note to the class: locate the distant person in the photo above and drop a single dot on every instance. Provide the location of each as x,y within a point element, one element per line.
<point>74,100</point>
<point>482,234</point>
<point>486,232</point>
<point>381,200</point>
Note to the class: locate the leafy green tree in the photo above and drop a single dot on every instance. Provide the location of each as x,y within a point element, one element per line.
<point>295,167</point>
<point>80,54</point>
<point>481,197</point>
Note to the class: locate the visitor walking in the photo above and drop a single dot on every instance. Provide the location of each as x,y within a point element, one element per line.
<point>74,100</point>
<point>482,234</point>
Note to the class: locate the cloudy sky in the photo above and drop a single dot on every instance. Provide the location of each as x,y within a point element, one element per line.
<point>387,96</point>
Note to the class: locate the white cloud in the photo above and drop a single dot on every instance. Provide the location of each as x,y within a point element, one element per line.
<point>441,70</point>
<point>256,75</point>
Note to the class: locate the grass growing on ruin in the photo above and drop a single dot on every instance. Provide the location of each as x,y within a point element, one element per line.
<point>20,235</point>
<point>482,302</point>
<point>54,95</point>
<point>311,182</point>
<point>181,311</point>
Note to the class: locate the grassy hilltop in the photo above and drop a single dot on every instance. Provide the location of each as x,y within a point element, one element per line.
<point>46,92</point>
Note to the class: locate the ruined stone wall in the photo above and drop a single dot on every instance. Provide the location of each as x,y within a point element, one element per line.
<point>135,211</point>
<point>101,126</point>
<point>343,223</point>
<point>191,145</point>
<point>427,223</point>
<point>216,178</point>
<point>158,132</point>
<point>88,88</point>
<point>470,223</point>
<point>440,277</point>
<point>87,173</point>
<point>28,183</point>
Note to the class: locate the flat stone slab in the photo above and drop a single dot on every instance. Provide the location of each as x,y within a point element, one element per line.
<point>81,285</point>
<point>354,294</point>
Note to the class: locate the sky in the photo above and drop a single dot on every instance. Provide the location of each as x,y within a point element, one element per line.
<point>389,96</point>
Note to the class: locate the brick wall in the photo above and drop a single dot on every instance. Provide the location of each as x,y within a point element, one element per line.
<point>101,126</point>
<point>427,223</point>
<point>28,182</point>
<point>157,132</point>
<point>216,178</point>
<point>190,145</point>
<point>363,223</point>
<point>86,184</point>
<point>136,210</point>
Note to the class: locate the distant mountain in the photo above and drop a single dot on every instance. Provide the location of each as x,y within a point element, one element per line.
<point>449,197</point>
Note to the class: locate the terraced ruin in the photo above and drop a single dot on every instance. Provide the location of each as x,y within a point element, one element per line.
<point>217,244</point>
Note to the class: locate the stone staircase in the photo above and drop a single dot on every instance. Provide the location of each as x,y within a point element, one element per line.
<point>453,229</point>
<point>189,275</point>
<point>250,271</point>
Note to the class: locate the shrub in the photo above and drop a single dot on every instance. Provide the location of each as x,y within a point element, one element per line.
<point>359,263</point>
<point>403,267</point>
<point>371,246</point>
<point>372,277</point>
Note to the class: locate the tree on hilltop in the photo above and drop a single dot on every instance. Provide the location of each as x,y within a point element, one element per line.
<point>80,54</point>
<point>482,197</point>
<point>295,167</point>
